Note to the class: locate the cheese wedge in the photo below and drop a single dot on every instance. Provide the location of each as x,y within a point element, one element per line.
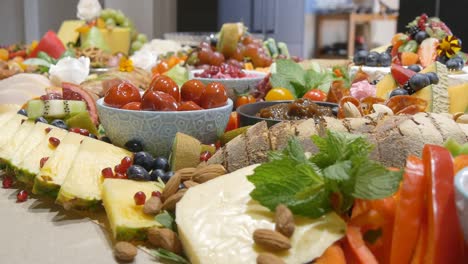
<point>54,171</point>
<point>82,186</point>
<point>216,221</point>
<point>127,220</point>
<point>30,166</point>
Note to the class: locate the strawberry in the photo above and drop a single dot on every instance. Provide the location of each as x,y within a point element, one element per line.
<point>401,74</point>
<point>428,51</point>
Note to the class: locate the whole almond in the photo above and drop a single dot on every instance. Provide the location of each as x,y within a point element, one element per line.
<point>457,115</point>
<point>202,164</point>
<point>271,239</point>
<point>164,238</point>
<point>152,206</point>
<point>463,119</point>
<point>186,173</point>
<point>268,258</point>
<point>190,184</point>
<point>170,203</point>
<point>171,186</point>
<point>284,220</point>
<point>125,251</point>
<point>208,172</point>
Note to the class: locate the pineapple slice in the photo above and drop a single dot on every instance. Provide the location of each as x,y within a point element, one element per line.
<point>9,124</point>
<point>30,166</point>
<point>81,188</point>
<point>54,171</point>
<point>8,150</point>
<point>127,220</point>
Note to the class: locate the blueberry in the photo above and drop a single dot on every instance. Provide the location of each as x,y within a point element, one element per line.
<point>389,49</point>
<point>433,78</point>
<point>385,59</point>
<point>360,57</point>
<point>459,60</point>
<point>415,68</point>
<point>155,174</point>
<point>167,176</point>
<point>106,139</point>
<point>91,135</point>
<point>442,59</point>
<point>420,36</point>
<point>455,64</point>
<point>143,159</point>
<point>41,119</point>
<point>134,145</point>
<point>161,163</point>
<point>59,123</point>
<point>22,112</point>
<point>419,81</point>
<point>398,91</point>
<point>138,173</point>
<point>372,59</point>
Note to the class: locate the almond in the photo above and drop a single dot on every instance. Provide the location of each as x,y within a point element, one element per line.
<point>208,172</point>
<point>271,239</point>
<point>186,173</point>
<point>462,119</point>
<point>164,238</point>
<point>171,186</point>
<point>152,206</point>
<point>190,184</point>
<point>284,220</point>
<point>125,251</point>
<point>268,258</point>
<point>170,203</point>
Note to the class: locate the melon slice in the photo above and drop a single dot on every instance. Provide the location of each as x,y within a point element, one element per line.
<point>427,94</point>
<point>385,86</point>
<point>458,96</point>
<point>440,97</point>
<point>185,152</point>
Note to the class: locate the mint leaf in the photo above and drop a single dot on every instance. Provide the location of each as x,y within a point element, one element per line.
<point>339,171</point>
<point>165,219</point>
<point>167,255</point>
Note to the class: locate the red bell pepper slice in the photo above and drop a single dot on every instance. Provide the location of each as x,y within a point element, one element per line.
<point>355,248</point>
<point>444,237</point>
<point>409,212</point>
<point>233,122</point>
<point>49,44</point>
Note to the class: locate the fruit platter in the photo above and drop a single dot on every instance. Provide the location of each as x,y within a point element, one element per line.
<point>232,151</point>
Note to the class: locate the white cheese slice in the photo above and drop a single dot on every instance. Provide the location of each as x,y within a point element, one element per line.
<point>216,221</point>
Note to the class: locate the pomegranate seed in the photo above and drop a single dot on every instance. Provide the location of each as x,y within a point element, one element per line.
<point>218,144</point>
<point>122,176</point>
<point>22,121</point>
<point>7,182</point>
<point>54,141</point>
<point>125,163</point>
<point>205,156</point>
<point>157,194</point>
<point>107,173</point>
<point>47,130</point>
<point>43,161</point>
<point>119,169</point>
<point>21,196</point>
<point>140,198</point>
<point>80,131</point>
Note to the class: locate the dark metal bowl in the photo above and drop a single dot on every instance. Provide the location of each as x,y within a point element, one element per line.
<point>247,113</point>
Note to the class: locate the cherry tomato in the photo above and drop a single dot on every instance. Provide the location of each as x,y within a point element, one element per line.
<point>132,106</point>
<point>316,95</point>
<point>279,93</point>
<point>165,84</point>
<point>216,59</point>
<point>122,94</point>
<point>192,90</point>
<point>189,106</point>
<point>244,99</point>
<point>158,101</point>
<point>233,122</point>
<point>214,96</point>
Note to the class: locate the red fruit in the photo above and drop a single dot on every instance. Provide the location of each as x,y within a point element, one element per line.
<point>189,106</point>
<point>119,169</point>
<point>89,98</point>
<point>47,130</point>
<point>126,162</point>
<point>132,106</point>
<point>165,84</point>
<point>119,175</point>
<point>158,101</point>
<point>43,161</point>
<point>233,122</point>
<point>122,94</point>
<point>81,131</point>
<point>107,173</point>
<point>7,182</point>
<point>214,96</point>
<point>428,51</point>
<point>140,198</point>
<point>22,196</point>
<point>205,156</point>
<point>54,141</point>
<point>192,91</point>
<point>401,74</point>
<point>316,95</point>
<point>156,194</point>
<point>50,44</point>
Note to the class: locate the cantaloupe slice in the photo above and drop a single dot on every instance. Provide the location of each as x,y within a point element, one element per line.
<point>458,96</point>
<point>426,93</point>
<point>385,86</point>
<point>440,97</point>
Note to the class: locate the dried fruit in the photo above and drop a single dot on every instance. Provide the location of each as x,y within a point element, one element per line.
<point>271,240</point>
<point>284,220</point>
<point>171,186</point>
<point>268,258</point>
<point>125,251</point>
<point>170,203</point>
<point>164,238</point>
<point>152,206</point>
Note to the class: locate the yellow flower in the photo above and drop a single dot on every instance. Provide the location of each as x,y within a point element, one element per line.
<point>449,46</point>
<point>126,65</point>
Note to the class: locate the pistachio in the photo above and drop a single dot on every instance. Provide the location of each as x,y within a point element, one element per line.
<point>350,110</point>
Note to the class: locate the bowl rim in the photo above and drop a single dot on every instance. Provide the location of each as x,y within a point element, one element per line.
<point>260,75</point>
<point>460,177</point>
<point>240,108</point>
<point>100,103</point>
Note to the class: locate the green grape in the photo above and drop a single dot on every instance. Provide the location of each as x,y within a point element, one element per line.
<point>105,14</point>
<point>142,38</point>
<point>136,45</point>
<point>110,22</point>
<point>119,17</point>
<point>125,23</point>
<point>112,12</point>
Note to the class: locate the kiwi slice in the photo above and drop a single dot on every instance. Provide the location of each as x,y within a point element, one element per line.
<point>230,135</point>
<point>82,120</point>
<point>54,108</point>
<point>185,152</point>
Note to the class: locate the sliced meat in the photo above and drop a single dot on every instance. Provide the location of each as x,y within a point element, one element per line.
<point>447,127</point>
<point>258,143</point>
<point>464,128</point>
<point>332,124</point>
<point>359,125</point>
<point>280,134</point>
<point>427,129</point>
<point>304,131</point>
<point>236,154</point>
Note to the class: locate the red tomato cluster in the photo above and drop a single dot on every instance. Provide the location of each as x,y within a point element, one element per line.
<point>164,94</point>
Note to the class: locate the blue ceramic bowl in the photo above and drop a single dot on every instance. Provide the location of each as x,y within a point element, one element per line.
<point>156,129</point>
<point>461,199</point>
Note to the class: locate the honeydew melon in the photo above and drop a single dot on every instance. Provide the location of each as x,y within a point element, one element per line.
<point>127,220</point>
<point>82,186</point>
<point>440,97</point>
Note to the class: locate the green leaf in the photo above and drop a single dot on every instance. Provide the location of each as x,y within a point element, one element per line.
<point>179,74</point>
<point>339,171</point>
<point>166,219</point>
<point>167,255</point>
<point>277,80</point>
